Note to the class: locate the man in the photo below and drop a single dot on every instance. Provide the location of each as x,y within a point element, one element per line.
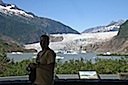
<point>45,63</point>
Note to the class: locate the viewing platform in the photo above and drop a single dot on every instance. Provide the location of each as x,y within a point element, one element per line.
<point>68,79</point>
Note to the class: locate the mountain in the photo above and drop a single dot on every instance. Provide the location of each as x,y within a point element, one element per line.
<point>7,44</point>
<point>101,42</point>
<point>113,26</point>
<point>1,2</point>
<point>123,32</point>
<point>25,27</point>
<point>118,44</point>
<point>18,27</point>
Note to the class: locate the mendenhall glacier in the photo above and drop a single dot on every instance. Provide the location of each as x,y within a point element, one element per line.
<point>74,41</point>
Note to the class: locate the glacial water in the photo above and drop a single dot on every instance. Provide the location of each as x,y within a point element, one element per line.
<point>17,57</point>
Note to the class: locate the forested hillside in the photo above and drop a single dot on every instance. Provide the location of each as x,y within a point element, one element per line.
<point>18,27</point>
<point>123,32</point>
<point>13,47</point>
<point>28,30</point>
<point>19,31</point>
<point>118,44</point>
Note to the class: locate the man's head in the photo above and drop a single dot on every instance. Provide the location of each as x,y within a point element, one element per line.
<point>44,41</point>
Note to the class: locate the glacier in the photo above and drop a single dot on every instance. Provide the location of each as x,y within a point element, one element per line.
<point>74,41</point>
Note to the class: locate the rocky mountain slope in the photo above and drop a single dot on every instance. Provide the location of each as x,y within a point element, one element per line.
<point>26,27</point>
<point>18,27</point>
<point>118,44</point>
<point>113,26</point>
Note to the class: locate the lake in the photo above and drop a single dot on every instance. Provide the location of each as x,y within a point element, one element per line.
<point>17,57</point>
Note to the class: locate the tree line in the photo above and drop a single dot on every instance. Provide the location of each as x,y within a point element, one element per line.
<point>102,66</point>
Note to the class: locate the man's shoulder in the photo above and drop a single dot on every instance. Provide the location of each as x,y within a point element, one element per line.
<point>51,51</point>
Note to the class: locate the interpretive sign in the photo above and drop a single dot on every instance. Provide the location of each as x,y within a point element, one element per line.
<point>88,75</point>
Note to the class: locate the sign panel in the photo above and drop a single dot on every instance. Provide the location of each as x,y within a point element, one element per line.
<point>88,75</point>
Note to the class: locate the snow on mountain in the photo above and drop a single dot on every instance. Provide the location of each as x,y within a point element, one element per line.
<point>10,9</point>
<point>113,26</point>
<point>75,41</point>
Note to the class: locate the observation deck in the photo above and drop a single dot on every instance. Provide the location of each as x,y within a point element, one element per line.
<point>64,79</point>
